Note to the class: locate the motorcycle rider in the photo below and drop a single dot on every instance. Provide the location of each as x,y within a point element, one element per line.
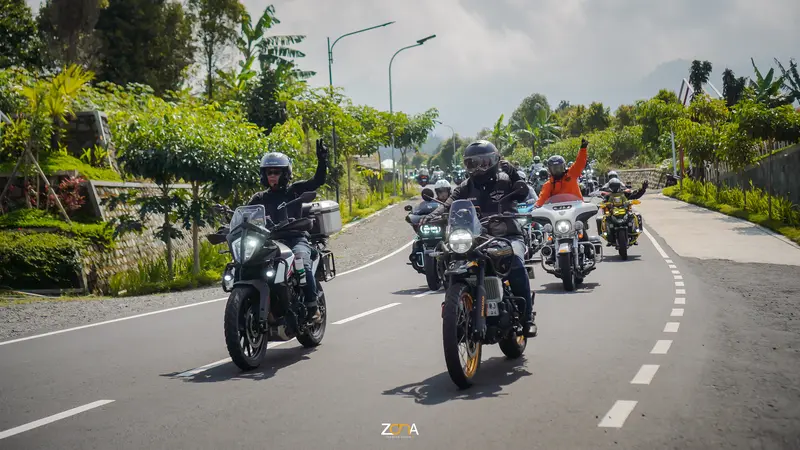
<point>276,173</point>
<point>486,183</point>
<point>535,168</point>
<point>563,181</point>
<point>616,185</point>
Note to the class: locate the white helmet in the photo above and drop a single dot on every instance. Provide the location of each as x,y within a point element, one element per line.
<point>441,185</point>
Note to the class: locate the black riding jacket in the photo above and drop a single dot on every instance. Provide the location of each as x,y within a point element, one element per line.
<point>272,198</point>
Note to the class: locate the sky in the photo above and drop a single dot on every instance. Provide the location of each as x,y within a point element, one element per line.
<point>490,54</point>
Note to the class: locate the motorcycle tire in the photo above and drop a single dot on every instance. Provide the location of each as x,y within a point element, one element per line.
<point>432,274</point>
<point>567,272</point>
<point>313,336</point>
<point>239,317</point>
<point>457,302</point>
<point>622,243</point>
<point>513,346</point>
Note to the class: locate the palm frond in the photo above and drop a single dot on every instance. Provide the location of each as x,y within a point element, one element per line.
<point>282,41</point>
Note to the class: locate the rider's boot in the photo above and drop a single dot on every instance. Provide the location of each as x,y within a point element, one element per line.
<point>531,330</point>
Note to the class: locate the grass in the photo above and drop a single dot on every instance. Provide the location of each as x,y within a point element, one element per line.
<point>8,298</point>
<point>99,233</point>
<point>786,216</point>
<point>365,207</point>
<point>51,164</point>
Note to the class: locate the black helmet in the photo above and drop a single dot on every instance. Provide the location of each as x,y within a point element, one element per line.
<point>557,166</point>
<point>544,174</point>
<point>481,158</point>
<point>276,160</point>
<point>615,185</point>
<point>612,175</point>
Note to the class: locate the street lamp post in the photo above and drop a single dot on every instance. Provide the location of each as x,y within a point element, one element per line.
<point>330,81</point>
<point>391,106</point>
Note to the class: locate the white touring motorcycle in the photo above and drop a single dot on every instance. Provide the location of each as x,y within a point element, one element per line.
<point>266,280</point>
<point>569,253</point>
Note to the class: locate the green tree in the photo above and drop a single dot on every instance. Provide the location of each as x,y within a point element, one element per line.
<point>218,20</point>
<point>66,28</point>
<point>698,76</point>
<point>575,122</point>
<point>530,109</point>
<point>791,79</point>
<point>768,89</point>
<point>597,117</point>
<point>20,45</point>
<point>262,104</point>
<point>146,41</point>
<point>732,87</point>
<point>625,116</point>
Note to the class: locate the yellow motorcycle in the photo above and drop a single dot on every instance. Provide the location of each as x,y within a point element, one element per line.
<point>620,226</point>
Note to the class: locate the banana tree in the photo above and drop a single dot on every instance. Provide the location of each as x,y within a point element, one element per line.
<point>543,131</point>
<point>791,79</point>
<point>767,89</point>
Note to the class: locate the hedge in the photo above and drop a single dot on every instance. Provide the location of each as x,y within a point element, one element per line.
<point>41,260</point>
<point>101,233</point>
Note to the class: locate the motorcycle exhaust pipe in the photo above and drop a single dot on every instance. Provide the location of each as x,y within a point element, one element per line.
<point>547,251</point>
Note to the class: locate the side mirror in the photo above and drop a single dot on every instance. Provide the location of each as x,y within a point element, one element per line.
<point>408,208</point>
<point>520,186</point>
<point>306,197</point>
<point>427,194</point>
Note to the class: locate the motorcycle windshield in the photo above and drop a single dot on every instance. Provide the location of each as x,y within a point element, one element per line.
<point>255,214</point>
<point>464,217</point>
<point>425,208</point>
<point>563,198</point>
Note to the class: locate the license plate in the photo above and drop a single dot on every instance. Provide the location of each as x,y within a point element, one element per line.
<point>492,309</point>
<point>563,248</point>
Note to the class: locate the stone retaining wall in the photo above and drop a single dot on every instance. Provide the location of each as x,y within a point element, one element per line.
<point>656,178</point>
<point>131,249</point>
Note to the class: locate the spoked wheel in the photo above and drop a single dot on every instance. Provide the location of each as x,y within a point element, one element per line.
<point>314,334</point>
<point>461,354</point>
<point>243,337</point>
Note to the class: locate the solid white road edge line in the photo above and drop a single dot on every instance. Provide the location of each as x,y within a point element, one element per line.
<point>425,293</point>
<point>53,418</point>
<point>677,312</point>
<point>377,260</point>
<point>201,369</point>
<point>37,336</point>
<point>616,416</point>
<point>655,244</point>
<point>671,327</point>
<point>645,374</point>
<point>661,347</point>
<point>371,311</point>
<point>111,321</point>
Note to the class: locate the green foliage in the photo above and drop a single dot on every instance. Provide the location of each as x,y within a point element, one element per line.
<point>66,27</point>
<point>698,76</point>
<point>53,163</point>
<point>38,260</point>
<point>153,276</point>
<point>100,234</point>
<point>217,20</point>
<point>19,45</point>
<point>146,41</point>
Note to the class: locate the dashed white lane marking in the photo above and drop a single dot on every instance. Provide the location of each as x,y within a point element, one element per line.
<point>679,283</point>
<point>377,260</point>
<point>616,416</point>
<point>655,244</point>
<point>371,311</point>
<point>424,294</point>
<point>673,266</point>
<point>193,372</point>
<point>680,291</point>
<point>645,374</point>
<point>676,272</point>
<point>677,312</point>
<point>680,300</point>
<point>661,347</point>
<point>677,277</point>
<point>669,261</point>
<point>672,327</point>
<point>53,418</point>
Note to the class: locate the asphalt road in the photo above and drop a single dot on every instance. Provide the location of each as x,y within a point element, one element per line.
<point>631,360</point>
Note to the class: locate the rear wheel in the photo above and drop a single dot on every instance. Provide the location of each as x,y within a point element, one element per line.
<point>314,334</point>
<point>622,243</point>
<point>567,272</point>
<point>432,273</point>
<point>461,354</point>
<point>513,346</point>
<point>246,344</point>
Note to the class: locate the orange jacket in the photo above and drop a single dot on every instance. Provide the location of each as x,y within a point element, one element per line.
<point>568,184</point>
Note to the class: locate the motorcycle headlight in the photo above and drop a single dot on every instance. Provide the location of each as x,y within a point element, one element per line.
<point>460,241</point>
<point>430,229</point>
<point>251,244</point>
<point>563,227</point>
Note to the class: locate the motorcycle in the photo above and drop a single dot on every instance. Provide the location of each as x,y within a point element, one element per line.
<point>568,251</point>
<point>619,225</point>
<point>265,279</point>
<point>428,240</point>
<point>532,231</point>
<point>479,308</point>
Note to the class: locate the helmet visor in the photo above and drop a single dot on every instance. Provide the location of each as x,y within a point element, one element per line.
<point>481,163</point>
<point>557,170</point>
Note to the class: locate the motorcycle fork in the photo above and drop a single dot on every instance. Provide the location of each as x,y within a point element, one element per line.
<point>479,306</point>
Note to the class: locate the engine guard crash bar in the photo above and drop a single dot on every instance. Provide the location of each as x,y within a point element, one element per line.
<point>591,265</point>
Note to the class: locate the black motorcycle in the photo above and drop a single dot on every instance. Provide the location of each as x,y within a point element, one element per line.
<point>428,240</point>
<point>479,307</point>
<point>266,280</point>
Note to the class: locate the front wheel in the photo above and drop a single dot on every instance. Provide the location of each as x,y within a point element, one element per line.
<point>314,334</point>
<point>243,337</point>
<point>456,335</point>
<point>513,346</point>
<point>567,271</point>
<point>622,243</point>
<point>432,273</point>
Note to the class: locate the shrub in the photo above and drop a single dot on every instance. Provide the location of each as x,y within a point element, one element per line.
<point>43,260</point>
<point>100,234</point>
